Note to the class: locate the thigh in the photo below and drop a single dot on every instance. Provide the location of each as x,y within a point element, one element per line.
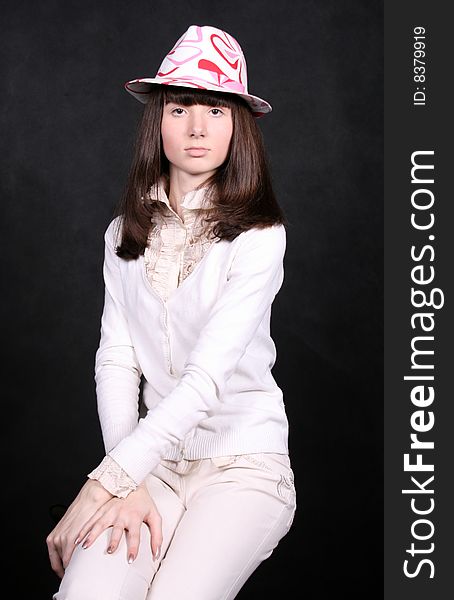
<point>93,574</point>
<point>238,509</point>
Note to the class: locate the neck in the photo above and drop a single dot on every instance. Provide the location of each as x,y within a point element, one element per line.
<point>182,183</point>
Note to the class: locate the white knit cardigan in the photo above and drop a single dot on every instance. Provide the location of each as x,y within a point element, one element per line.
<point>205,355</point>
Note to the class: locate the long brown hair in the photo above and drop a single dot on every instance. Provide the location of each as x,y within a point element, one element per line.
<point>241,191</point>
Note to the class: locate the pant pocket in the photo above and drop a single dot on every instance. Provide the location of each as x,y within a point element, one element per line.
<point>223,461</point>
<point>278,465</point>
<point>272,462</point>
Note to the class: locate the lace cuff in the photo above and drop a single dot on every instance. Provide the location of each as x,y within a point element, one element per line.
<point>113,478</point>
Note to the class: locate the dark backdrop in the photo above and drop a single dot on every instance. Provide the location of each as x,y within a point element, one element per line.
<point>67,134</point>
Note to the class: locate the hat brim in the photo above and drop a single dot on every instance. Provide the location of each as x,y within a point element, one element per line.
<point>141,88</point>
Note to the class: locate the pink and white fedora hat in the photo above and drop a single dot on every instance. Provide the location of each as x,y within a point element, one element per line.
<point>205,58</point>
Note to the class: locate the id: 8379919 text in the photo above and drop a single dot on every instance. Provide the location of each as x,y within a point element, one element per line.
<point>419,66</point>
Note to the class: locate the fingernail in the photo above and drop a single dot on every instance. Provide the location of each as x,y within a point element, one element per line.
<point>158,552</point>
<point>131,558</point>
<point>85,544</point>
<point>77,541</point>
<point>109,550</point>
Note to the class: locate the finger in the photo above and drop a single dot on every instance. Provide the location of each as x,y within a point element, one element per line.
<point>154,523</point>
<point>100,521</point>
<point>85,530</point>
<point>61,546</point>
<point>133,541</point>
<point>55,562</point>
<point>68,550</point>
<point>94,533</point>
<point>115,538</point>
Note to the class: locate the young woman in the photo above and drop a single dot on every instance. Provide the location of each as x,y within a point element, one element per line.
<point>196,488</point>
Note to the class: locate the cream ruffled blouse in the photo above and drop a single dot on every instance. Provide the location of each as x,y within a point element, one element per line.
<point>175,246</point>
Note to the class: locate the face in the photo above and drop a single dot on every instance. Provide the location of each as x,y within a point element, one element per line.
<point>196,138</point>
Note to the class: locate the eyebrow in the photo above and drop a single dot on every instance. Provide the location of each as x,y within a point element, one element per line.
<point>185,106</point>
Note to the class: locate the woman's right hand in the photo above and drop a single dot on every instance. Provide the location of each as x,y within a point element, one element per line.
<point>62,539</point>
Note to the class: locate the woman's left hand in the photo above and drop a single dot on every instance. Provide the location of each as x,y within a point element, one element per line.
<point>125,515</point>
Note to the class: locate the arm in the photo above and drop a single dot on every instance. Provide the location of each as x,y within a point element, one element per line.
<point>254,279</point>
<point>117,371</point>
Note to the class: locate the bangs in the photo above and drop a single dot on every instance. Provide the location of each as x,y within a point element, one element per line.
<point>190,96</point>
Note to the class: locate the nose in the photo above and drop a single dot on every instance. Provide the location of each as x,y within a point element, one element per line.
<point>197,125</point>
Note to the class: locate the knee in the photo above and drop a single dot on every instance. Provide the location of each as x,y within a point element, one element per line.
<point>92,574</point>
<point>76,590</point>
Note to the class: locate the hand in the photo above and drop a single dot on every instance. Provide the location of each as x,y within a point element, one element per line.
<point>61,540</point>
<point>126,514</point>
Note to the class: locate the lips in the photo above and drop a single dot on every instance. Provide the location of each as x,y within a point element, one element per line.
<point>196,151</point>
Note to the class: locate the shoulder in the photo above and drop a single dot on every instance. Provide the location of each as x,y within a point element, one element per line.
<point>274,233</point>
<point>112,234</point>
<point>260,250</point>
<point>270,240</point>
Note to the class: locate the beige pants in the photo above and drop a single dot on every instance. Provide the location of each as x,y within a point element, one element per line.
<point>221,517</point>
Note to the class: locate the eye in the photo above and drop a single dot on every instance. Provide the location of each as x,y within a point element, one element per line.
<point>179,113</point>
<point>217,111</point>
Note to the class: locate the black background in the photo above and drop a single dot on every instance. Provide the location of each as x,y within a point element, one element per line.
<point>67,133</point>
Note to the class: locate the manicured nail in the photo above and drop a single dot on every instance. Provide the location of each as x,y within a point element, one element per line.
<point>77,541</point>
<point>158,552</point>
<point>85,544</point>
<point>109,550</point>
<point>131,558</point>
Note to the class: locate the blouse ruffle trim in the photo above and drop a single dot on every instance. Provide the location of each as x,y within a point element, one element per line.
<point>113,478</point>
